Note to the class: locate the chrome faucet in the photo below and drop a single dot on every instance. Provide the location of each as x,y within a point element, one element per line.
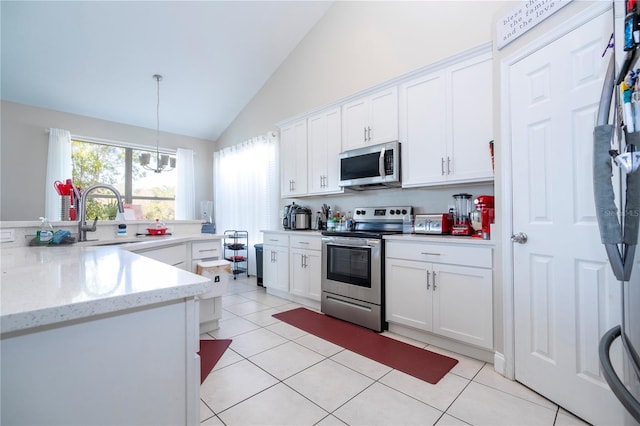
<point>82,224</point>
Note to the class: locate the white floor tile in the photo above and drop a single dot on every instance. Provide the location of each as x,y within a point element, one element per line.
<point>230,385</point>
<point>266,299</point>
<point>482,405</point>
<point>263,318</point>
<point>205,412</point>
<point>233,327</point>
<point>440,395</point>
<point>278,405</point>
<point>329,384</point>
<point>232,299</point>
<point>330,420</point>
<point>228,357</point>
<point>489,377</point>
<point>256,341</point>
<point>213,421</point>
<point>285,330</point>
<point>466,367</point>
<point>319,345</point>
<point>247,307</point>
<point>447,420</point>
<point>381,405</point>
<point>286,360</point>
<point>361,364</point>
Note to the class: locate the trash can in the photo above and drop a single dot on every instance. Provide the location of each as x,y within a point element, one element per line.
<point>259,250</point>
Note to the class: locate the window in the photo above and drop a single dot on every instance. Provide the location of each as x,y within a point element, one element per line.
<point>95,163</point>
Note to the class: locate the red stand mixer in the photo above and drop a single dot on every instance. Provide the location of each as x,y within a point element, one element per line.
<point>483,216</point>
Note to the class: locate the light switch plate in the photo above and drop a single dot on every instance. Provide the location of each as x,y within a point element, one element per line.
<point>7,235</point>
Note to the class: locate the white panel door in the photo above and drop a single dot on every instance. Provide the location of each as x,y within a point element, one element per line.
<point>383,120</point>
<point>565,296</point>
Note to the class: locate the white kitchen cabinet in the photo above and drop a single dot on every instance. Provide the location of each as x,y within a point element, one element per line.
<point>441,289</point>
<point>446,124</point>
<point>371,119</point>
<point>174,255</point>
<point>293,157</point>
<point>304,266</point>
<point>324,145</point>
<point>275,261</point>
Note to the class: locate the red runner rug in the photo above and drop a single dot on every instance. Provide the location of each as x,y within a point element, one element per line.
<point>210,353</point>
<point>420,363</point>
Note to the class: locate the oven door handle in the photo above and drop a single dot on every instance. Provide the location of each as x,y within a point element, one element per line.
<point>366,245</point>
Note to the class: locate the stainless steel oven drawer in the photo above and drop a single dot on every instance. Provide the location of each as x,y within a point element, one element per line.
<point>355,311</point>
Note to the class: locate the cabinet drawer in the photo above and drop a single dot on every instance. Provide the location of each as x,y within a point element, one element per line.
<point>274,239</point>
<point>172,255</point>
<point>305,242</point>
<point>205,249</point>
<point>454,254</point>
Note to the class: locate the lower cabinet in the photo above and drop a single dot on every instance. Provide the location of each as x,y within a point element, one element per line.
<point>450,300</point>
<point>275,261</point>
<point>304,266</point>
<point>174,255</point>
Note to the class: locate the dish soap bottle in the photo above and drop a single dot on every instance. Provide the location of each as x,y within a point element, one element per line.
<point>45,234</point>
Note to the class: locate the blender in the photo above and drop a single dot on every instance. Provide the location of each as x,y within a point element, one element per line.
<point>461,221</point>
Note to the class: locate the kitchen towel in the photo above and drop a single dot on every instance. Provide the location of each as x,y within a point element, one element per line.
<point>417,362</point>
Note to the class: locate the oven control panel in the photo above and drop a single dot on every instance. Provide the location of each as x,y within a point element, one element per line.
<point>382,214</point>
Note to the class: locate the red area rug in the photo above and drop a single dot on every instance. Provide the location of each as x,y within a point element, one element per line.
<point>420,363</point>
<point>210,353</point>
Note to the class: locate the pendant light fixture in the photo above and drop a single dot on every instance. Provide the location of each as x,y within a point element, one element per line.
<point>164,162</point>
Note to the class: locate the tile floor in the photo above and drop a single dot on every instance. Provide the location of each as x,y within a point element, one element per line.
<point>276,374</point>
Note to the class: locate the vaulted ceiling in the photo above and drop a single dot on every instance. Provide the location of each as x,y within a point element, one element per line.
<point>98,58</point>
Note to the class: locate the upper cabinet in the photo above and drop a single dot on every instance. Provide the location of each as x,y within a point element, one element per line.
<point>324,145</point>
<point>293,157</point>
<point>371,119</point>
<point>446,124</point>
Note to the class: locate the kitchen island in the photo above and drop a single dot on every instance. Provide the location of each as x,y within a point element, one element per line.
<point>97,335</point>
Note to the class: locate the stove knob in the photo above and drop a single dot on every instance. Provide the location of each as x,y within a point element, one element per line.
<point>362,212</point>
<point>392,212</point>
<point>404,211</point>
<point>397,211</point>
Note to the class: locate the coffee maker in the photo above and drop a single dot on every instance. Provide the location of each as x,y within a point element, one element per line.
<point>461,221</point>
<point>483,216</point>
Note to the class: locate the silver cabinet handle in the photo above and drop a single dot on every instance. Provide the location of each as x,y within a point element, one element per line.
<point>365,134</point>
<point>442,165</point>
<point>203,251</point>
<point>428,274</point>
<point>434,280</point>
<point>369,137</point>
<point>448,165</point>
<point>520,238</point>
<point>429,254</point>
<point>303,242</point>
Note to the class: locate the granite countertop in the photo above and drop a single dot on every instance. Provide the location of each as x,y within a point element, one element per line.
<point>49,285</point>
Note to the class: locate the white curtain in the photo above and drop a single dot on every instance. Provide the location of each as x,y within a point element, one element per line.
<point>58,168</point>
<point>246,189</point>
<point>185,187</point>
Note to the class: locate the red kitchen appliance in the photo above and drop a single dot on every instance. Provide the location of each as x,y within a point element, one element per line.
<point>483,216</point>
<point>461,221</point>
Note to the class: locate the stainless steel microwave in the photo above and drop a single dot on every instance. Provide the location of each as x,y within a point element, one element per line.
<point>371,167</point>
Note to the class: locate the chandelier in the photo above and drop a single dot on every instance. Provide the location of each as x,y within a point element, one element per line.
<point>164,162</point>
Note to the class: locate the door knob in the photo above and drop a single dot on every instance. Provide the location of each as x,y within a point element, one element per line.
<point>520,238</point>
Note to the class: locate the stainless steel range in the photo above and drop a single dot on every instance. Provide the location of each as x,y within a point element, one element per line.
<point>353,266</point>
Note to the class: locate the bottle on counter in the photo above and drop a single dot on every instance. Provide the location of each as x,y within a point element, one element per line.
<point>45,234</point>
<point>349,225</point>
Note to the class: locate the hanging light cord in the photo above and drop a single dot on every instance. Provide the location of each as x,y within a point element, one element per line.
<point>158,77</point>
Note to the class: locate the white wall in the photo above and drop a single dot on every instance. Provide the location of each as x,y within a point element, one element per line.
<point>356,45</point>
<point>23,154</point>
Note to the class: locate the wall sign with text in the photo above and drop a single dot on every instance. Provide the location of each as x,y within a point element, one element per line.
<point>524,17</point>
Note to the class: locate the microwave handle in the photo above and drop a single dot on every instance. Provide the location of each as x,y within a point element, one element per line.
<point>381,163</point>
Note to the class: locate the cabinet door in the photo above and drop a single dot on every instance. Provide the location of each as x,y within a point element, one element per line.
<point>275,264</point>
<point>463,304</point>
<point>354,124</point>
<point>383,116</point>
<point>324,145</point>
<point>422,130</point>
<point>472,121</point>
<point>299,282</point>
<point>313,265</point>
<point>293,151</point>
<point>408,298</point>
